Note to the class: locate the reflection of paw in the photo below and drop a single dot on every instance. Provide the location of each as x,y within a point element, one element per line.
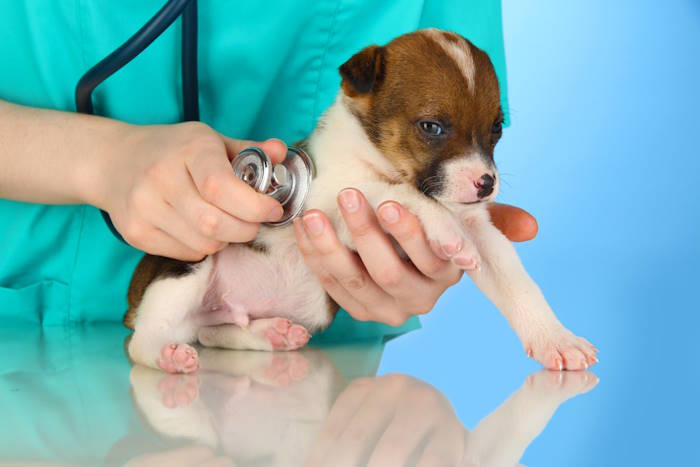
<point>178,358</point>
<point>560,384</point>
<point>286,368</point>
<point>561,350</point>
<point>283,335</point>
<point>178,390</point>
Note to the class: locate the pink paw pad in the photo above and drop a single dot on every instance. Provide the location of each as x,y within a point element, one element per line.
<point>283,335</point>
<point>287,368</point>
<point>178,358</point>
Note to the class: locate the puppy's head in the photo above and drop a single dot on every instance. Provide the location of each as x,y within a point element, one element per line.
<point>430,102</point>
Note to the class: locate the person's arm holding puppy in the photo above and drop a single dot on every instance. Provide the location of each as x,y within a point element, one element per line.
<point>419,284</point>
<point>169,189</point>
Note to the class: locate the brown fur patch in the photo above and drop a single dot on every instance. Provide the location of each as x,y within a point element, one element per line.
<point>413,79</point>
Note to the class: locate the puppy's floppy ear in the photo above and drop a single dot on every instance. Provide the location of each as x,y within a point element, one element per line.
<point>364,71</point>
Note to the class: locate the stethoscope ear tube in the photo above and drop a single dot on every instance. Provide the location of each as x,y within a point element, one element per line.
<point>134,46</point>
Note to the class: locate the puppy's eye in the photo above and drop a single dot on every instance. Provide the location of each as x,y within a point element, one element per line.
<point>497,127</point>
<point>431,128</point>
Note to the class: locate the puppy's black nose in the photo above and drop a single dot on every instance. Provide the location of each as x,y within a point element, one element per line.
<point>485,186</point>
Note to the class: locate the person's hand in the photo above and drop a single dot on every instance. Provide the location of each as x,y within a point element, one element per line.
<point>376,283</point>
<point>170,190</point>
<point>390,420</point>
<point>186,456</point>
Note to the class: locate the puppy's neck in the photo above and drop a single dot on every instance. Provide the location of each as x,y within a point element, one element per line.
<point>340,142</point>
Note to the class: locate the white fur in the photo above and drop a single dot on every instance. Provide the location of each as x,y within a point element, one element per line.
<point>278,282</point>
<point>470,169</point>
<point>166,313</point>
<point>459,52</point>
<point>240,408</point>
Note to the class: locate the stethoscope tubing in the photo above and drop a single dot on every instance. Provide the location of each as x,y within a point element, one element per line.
<point>137,44</point>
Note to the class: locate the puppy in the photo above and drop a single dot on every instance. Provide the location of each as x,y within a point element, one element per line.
<point>415,121</point>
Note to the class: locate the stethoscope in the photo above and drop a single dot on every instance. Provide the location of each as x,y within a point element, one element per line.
<point>288,182</point>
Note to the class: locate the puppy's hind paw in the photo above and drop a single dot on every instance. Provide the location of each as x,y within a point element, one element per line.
<point>178,390</point>
<point>178,358</point>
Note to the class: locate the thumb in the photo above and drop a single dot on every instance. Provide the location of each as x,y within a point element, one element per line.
<point>515,223</point>
<point>275,148</point>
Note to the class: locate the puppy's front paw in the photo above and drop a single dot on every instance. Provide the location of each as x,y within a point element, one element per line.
<point>448,241</point>
<point>560,386</point>
<point>178,358</point>
<point>559,349</point>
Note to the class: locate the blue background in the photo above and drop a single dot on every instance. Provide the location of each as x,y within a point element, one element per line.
<point>602,149</point>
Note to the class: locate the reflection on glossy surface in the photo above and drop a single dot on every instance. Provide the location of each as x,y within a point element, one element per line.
<point>72,398</point>
<point>284,409</point>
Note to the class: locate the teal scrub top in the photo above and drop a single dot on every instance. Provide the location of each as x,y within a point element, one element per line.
<point>263,72</point>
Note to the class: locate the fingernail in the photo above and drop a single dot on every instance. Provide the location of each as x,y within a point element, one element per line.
<point>275,214</point>
<point>313,224</point>
<point>451,249</point>
<point>437,249</point>
<point>389,213</point>
<point>349,200</point>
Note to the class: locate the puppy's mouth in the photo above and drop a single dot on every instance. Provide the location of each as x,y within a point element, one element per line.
<point>458,206</point>
<point>468,203</point>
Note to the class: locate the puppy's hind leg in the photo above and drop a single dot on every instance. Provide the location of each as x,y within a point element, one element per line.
<point>165,324</point>
<point>260,334</point>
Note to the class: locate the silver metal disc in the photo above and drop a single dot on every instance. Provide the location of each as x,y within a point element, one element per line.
<point>299,173</point>
<point>253,166</point>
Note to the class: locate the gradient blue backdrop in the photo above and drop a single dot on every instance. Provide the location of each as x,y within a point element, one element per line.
<point>603,149</point>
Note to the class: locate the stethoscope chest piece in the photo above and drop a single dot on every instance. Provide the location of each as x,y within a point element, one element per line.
<point>288,182</point>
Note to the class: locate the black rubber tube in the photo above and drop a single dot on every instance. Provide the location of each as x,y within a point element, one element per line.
<point>134,46</point>
<point>190,80</point>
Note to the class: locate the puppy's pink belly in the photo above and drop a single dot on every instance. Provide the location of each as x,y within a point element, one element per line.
<point>249,285</point>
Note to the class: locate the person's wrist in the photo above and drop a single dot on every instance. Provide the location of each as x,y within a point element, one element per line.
<point>111,141</point>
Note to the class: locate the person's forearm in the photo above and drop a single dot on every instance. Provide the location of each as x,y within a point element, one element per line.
<point>54,157</point>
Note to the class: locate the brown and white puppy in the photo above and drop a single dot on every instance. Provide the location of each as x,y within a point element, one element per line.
<point>416,121</point>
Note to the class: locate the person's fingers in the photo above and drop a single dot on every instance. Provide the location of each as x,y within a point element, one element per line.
<point>206,219</point>
<point>216,182</point>
<point>188,455</point>
<point>275,148</point>
<point>364,429</point>
<point>515,223</point>
<point>378,254</point>
<point>337,292</point>
<point>347,268</point>
<point>344,408</point>
<point>445,446</point>
<point>406,228</point>
<point>400,439</point>
<point>156,242</point>
<point>219,461</point>
<point>171,222</point>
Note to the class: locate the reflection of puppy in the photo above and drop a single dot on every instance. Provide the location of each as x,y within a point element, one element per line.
<point>416,121</point>
<point>240,395</point>
<point>390,420</point>
<point>502,437</point>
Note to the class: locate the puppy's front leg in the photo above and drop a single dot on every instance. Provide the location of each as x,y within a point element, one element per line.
<point>442,229</point>
<point>504,280</point>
